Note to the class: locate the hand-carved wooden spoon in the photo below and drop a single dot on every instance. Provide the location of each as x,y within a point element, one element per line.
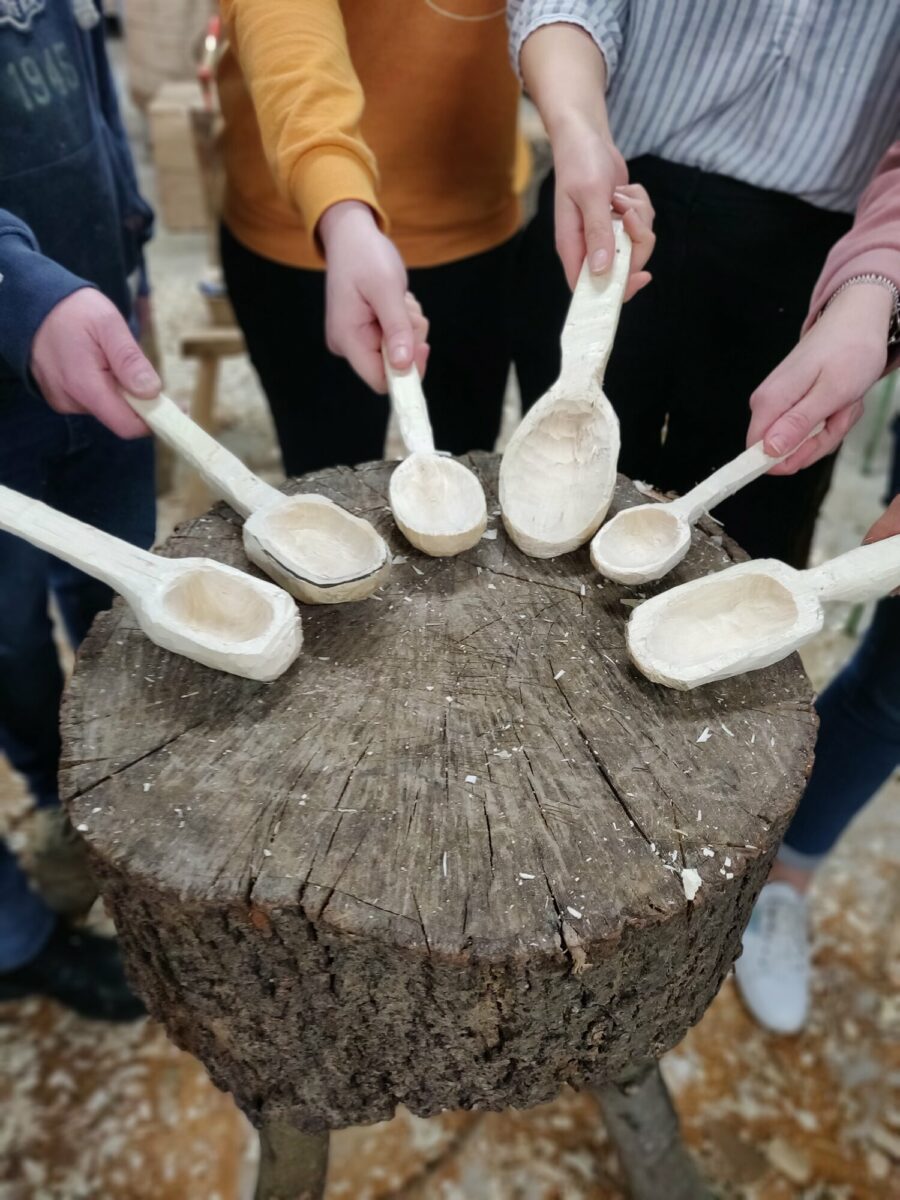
<point>202,609</point>
<point>438,503</point>
<point>647,541</point>
<point>558,472</point>
<point>314,548</point>
<point>750,615</point>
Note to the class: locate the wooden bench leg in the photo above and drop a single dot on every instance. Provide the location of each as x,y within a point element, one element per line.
<point>292,1165</point>
<point>643,1126</point>
<point>203,406</point>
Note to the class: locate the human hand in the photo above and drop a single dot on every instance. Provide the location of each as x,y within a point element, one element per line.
<point>366,299</point>
<point>83,357</point>
<point>589,170</point>
<point>591,187</point>
<point>565,74</point>
<point>824,378</point>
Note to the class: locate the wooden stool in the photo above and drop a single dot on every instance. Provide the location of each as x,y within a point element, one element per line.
<point>438,863</point>
<point>208,346</point>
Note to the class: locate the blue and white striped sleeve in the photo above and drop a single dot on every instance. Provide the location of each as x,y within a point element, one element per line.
<point>604,20</point>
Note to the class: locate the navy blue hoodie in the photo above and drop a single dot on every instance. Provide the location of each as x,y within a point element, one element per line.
<point>70,211</point>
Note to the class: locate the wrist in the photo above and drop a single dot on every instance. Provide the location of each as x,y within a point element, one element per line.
<point>343,218</point>
<point>864,304</point>
<point>573,128</point>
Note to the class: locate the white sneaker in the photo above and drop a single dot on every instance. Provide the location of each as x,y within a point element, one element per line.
<point>773,972</point>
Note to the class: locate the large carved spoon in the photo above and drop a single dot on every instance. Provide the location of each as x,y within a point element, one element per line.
<point>314,548</point>
<point>750,615</point>
<point>202,609</point>
<point>558,473</point>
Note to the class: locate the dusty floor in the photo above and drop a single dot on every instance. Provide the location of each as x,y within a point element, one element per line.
<point>103,1113</point>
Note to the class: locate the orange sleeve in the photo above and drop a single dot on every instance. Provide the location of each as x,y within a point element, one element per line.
<point>308,101</point>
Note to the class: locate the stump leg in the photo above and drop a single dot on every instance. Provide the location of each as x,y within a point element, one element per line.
<point>292,1165</point>
<point>643,1126</point>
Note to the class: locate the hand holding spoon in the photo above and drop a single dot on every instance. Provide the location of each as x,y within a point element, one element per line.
<point>558,472</point>
<point>314,548</point>
<point>438,503</point>
<point>750,615</point>
<point>647,541</point>
<point>202,609</point>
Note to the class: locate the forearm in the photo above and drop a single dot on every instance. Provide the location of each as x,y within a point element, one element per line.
<point>308,101</point>
<point>872,247</point>
<point>564,72</point>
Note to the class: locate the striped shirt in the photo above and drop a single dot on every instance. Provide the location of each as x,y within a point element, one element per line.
<point>799,96</point>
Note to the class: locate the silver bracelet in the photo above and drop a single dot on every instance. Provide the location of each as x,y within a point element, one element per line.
<point>882,281</point>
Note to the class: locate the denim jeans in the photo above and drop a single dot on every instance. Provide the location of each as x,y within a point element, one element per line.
<point>78,466</point>
<point>859,732</point>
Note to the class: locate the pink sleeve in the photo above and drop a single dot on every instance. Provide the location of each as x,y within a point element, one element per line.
<point>872,247</point>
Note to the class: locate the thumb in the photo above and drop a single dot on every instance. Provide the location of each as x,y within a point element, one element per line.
<point>396,329</point>
<point>130,368</point>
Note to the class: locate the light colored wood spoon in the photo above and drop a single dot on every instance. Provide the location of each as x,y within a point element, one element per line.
<point>314,548</point>
<point>647,541</point>
<point>438,503</point>
<point>750,615</point>
<point>558,472</point>
<point>202,609</point>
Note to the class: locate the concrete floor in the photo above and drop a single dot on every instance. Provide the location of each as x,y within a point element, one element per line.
<point>89,1112</point>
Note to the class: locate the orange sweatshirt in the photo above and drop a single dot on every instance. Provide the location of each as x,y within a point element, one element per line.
<point>408,105</point>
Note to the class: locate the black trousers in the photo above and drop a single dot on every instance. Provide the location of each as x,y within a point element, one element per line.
<point>733,270</point>
<point>324,414</point>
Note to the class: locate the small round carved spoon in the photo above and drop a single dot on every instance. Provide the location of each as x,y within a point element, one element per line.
<point>438,504</point>
<point>647,541</point>
<point>314,548</point>
<point>558,472</point>
<point>750,615</point>
<point>202,609</point>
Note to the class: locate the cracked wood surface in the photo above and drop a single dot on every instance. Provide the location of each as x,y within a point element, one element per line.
<point>439,860</point>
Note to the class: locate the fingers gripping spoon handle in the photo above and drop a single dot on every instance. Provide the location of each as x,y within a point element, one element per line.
<point>202,609</point>
<point>311,546</point>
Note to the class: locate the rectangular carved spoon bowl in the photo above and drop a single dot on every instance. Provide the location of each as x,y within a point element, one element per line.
<point>750,615</point>
<point>314,548</point>
<point>202,609</point>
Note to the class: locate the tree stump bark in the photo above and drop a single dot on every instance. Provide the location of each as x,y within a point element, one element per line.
<point>438,862</point>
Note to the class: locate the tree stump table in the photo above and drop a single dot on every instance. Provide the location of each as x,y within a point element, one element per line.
<point>440,862</point>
